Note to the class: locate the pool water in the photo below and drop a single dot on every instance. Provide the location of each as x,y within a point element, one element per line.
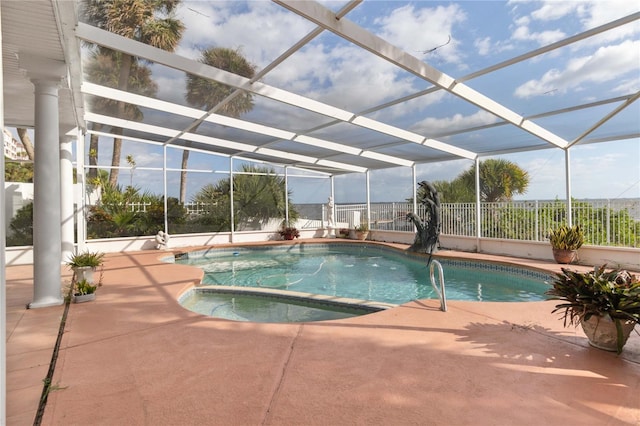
<point>264,308</point>
<point>364,272</point>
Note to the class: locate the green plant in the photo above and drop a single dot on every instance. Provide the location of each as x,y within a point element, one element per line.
<point>87,258</point>
<point>363,227</point>
<point>84,287</point>
<point>289,232</point>
<point>614,293</point>
<point>566,238</point>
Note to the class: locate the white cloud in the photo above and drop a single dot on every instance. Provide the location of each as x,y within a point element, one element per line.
<point>483,45</point>
<point>606,64</point>
<point>433,126</point>
<point>542,37</point>
<point>225,24</point>
<point>421,29</point>
<point>553,10</point>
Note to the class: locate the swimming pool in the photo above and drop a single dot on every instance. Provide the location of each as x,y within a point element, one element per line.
<point>362,271</point>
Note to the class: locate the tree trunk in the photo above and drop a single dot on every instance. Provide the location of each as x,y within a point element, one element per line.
<point>26,142</point>
<point>123,84</point>
<point>93,153</point>
<point>183,176</point>
<point>115,161</point>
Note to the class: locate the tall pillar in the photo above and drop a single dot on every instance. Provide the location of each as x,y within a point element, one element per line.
<point>47,241</point>
<point>67,198</point>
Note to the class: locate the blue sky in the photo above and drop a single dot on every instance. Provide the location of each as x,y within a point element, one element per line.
<point>457,38</point>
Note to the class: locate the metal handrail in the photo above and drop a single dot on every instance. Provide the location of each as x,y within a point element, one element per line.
<point>441,291</point>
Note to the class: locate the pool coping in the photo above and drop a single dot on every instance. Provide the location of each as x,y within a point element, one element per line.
<point>320,299</point>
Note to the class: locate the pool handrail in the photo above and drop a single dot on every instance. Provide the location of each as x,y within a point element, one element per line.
<point>440,291</point>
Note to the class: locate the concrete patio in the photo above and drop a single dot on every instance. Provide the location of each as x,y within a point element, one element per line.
<point>135,357</point>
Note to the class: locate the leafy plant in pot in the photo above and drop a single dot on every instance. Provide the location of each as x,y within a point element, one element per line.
<point>289,232</point>
<point>361,232</point>
<point>84,291</point>
<point>84,264</point>
<point>565,242</point>
<point>605,302</point>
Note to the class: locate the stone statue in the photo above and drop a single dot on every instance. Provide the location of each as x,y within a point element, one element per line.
<point>330,221</point>
<point>162,240</point>
<point>427,231</point>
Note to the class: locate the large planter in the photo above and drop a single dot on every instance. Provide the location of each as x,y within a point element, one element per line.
<point>565,256</point>
<point>84,273</point>
<point>602,332</point>
<point>358,235</point>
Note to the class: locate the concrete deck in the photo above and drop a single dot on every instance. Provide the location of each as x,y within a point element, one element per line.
<point>135,357</point>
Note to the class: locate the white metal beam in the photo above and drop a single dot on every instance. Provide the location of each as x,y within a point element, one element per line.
<point>218,142</point>
<point>348,30</point>
<point>146,102</point>
<point>113,41</point>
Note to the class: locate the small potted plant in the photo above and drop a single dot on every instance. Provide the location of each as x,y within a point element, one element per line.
<point>343,233</point>
<point>565,242</point>
<point>605,302</point>
<point>361,232</point>
<point>84,291</point>
<point>289,232</point>
<point>84,264</point>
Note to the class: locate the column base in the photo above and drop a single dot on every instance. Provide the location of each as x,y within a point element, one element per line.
<point>46,302</point>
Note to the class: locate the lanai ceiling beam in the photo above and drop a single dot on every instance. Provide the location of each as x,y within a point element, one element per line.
<point>348,30</point>
<point>113,41</point>
<point>218,142</point>
<point>146,102</point>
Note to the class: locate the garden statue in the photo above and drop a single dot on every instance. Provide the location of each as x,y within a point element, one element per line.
<point>162,240</point>
<point>427,231</point>
<point>330,223</point>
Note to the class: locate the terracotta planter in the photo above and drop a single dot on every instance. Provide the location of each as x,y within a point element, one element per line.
<point>565,256</point>
<point>602,333</point>
<point>362,235</point>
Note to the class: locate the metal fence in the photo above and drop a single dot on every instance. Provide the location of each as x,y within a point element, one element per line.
<point>604,222</point>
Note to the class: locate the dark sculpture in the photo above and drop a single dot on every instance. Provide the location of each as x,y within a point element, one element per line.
<point>427,231</point>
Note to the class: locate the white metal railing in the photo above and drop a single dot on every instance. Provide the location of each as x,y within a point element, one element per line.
<point>604,222</point>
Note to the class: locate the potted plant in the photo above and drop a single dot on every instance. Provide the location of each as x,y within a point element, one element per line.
<point>361,232</point>
<point>84,291</point>
<point>565,242</point>
<point>84,264</point>
<point>605,302</point>
<point>289,232</point>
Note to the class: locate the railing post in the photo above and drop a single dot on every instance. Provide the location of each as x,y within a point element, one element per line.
<point>537,221</point>
<point>608,221</point>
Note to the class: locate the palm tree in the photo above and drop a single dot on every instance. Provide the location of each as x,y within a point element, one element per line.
<point>26,142</point>
<point>208,94</point>
<point>103,69</point>
<point>149,21</point>
<point>500,180</point>
<point>258,194</point>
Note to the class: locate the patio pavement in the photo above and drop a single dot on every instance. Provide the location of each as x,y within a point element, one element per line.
<point>135,357</point>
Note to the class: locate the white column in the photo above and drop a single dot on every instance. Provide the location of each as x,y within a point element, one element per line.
<point>66,199</point>
<point>46,205</point>
<point>3,278</point>
<point>286,196</point>
<point>567,165</point>
<point>81,193</point>
<point>414,185</point>
<point>231,210</point>
<point>478,212</point>
<point>368,200</point>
